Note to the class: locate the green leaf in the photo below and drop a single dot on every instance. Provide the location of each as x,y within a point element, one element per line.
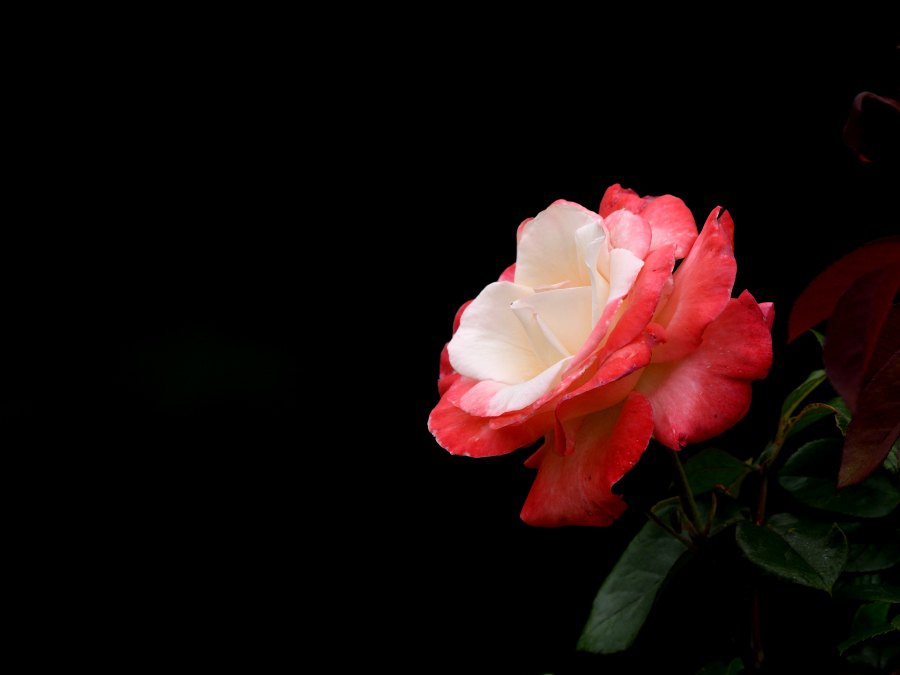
<point>795,397</point>
<point>873,547</point>
<point>719,668</point>
<point>711,467</point>
<point>819,337</point>
<point>816,411</point>
<point>891,462</point>
<point>870,620</point>
<point>810,475</point>
<point>838,404</point>
<point>628,593</point>
<point>867,588</point>
<point>796,550</point>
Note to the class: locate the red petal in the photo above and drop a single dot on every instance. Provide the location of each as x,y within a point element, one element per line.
<point>706,392</point>
<point>874,427</point>
<point>462,434</point>
<point>616,197</point>
<point>577,489</point>
<point>670,220</point>
<point>818,300</point>
<point>768,310</point>
<point>853,330</point>
<point>703,286</point>
<point>605,389</point>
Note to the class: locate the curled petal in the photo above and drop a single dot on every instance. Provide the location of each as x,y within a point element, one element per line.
<point>702,288</point>
<point>460,433</point>
<point>490,399</point>
<point>706,392</point>
<point>628,230</point>
<point>670,220</point>
<point>576,489</point>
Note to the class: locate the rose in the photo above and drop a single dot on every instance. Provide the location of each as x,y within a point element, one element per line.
<point>590,341</point>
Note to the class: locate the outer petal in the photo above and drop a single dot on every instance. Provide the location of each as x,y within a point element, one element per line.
<point>706,392</point>
<point>445,368</point>
<point>491,344</point>
<point>577,489</point>
<point>490,399</point>
<point>462,434</point>
<point>546,253</point>
<point>670,220</point>
<point>702,289</point>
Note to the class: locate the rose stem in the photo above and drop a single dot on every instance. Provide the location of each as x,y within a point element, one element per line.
<point>652,516</point>
<point>684,492</point>
<point>755,637</point>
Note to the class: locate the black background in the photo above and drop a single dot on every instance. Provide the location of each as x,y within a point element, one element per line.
<point>236,267</point>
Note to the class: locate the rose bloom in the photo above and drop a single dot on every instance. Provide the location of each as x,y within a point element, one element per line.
<point>590,341</point>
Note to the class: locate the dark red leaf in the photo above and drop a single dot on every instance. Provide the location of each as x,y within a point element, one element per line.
<point>874,427</point>
<point>818,300</point>
<point>853,330</point>
<point>888,343</point>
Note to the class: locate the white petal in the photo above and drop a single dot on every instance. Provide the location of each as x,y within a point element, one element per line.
<point>491,343</point>
<point>492,398</point>
<point>548,252</point>
<point>545,344</point>
<point>624,267</point>
<point>596,259</point>
<point>564,315</point>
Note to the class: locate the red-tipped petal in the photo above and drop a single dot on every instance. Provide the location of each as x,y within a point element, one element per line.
<point>616,198</point>
<point>818,300</point>
<point>706,392</point>
<point>670,220</point>
<point>629,230</point>
<point>875,426</point>
<point>703,286</point>
<point>642,300</point>
<point>462,434</point>
<point>577,489</point>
